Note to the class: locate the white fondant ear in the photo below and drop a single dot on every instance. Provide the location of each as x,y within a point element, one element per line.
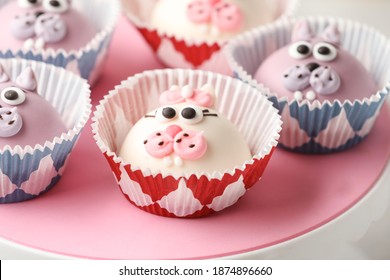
<point>302,31</point>
<point>332,34</point>
<point>3,76</point>
<point>27,80</point>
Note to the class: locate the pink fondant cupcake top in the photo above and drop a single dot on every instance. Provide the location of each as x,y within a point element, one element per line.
<point>26,118</point>
<point>315,67</point>
<point>41,24</point>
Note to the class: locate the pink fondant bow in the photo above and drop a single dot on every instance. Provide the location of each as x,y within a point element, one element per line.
<point>201,97</point>
<point>226,16</point>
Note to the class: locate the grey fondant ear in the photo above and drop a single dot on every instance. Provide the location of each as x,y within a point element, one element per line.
<point>302,31</point>
<point>3,76</point>
<point>331,34</point>
<point>27,80</point>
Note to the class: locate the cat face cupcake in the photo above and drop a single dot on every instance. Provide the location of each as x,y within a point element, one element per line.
<point>324,74</point>
<point>49,31</point>
<point>38,126</point>
<point>192,33</point>
<point>194,153</point>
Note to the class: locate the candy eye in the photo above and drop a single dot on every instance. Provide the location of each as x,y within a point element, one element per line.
<point>191,115</point>
<point>325,52</point>
<point>25,4</point>
<point>13,96</point>
<point>166,114</point>
<point>300,50</point>
<point>56,6</point>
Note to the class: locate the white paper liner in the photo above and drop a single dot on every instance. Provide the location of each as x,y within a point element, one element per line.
<point>33,170</point>
<point>372,49</point>
<point>193,54</point>
<point>250,111</point>
<point>88,60</point>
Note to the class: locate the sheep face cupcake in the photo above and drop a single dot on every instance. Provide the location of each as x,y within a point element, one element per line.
<point>49,31</point>
<point>315,68</point>
<point>44,24</point>
<point>184,158</point>
<point>192,33</point>
<point>323,74</point>
<point>25,117</point>
<point>39,126</point>
<point>185,136</point>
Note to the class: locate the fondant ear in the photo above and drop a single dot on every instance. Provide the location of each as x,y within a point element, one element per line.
<point>3,76</point>
<point>27,80</point>
<point>302,31</point>
<point>331,34</point>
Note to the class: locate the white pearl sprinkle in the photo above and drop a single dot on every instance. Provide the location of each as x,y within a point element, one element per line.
<point>187,91</point>
<point>178,161</point>
<point>298,95</point>
<point>310,95</point>
<point>174,87</point>
<point>167,161</point>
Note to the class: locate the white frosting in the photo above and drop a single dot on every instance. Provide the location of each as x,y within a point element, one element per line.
<point>170,16</point>
<point>226,147</point>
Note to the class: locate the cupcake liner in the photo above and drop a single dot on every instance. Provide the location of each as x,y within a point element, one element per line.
<point>26,172</point>
<point>176,52</point>
<point>318,127</point>
<point>198,194</point>
<point>87,61</point>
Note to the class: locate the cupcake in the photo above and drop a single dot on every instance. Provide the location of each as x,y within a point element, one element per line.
<point>191,33</point>
<point>195,152</point>
<point>49,31</point>
<point>39,125</point>
<point>326,75</point>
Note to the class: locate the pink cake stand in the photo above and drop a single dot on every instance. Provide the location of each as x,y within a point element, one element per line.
<point>305,206</point>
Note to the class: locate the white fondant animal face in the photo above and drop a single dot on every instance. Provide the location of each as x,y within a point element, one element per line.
<point>184,135</point>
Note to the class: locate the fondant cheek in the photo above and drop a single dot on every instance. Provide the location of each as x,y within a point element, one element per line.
<point>51,28</point>
<point>10,122</point>
<point>324,80</point>
<point>159,144</point>
<point>190,145</point>
<point>227,17</point>
<point>199,11</point>
<point>296,78</point>
<point>22,26</point>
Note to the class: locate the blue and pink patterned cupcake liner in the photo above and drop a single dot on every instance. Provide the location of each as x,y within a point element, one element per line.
<point>87,61</point>
<point>315,127</point>
<point>27,172</point>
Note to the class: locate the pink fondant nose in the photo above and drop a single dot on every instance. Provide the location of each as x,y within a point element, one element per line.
<point>173,130</point>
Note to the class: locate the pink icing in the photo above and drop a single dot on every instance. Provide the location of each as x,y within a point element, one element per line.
<point>323,67</point>
<point>62,31</point>
<point>187,144</point>
<point>199,97</point>
<point>226,16</point>
<point>29,120</point>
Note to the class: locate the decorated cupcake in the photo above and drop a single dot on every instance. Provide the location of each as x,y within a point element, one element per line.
<point>191,33</point>
<point>38,126</point>
<point>325,80</point>
<point>196,151</point>
<point>49,31</point>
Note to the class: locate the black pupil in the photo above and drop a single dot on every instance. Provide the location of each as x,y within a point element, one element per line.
<point>11,95</point>
<point>303,49</point>
<point>38,14</point>
<point>32,1</point>
<point>169,112</point>
<point>55,3</point>
<point>324,50</point>
<point>188,113</point>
